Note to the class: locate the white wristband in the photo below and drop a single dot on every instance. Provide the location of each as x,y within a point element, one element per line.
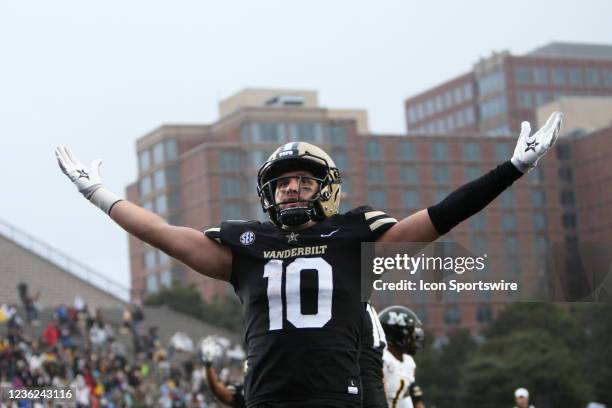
<point>104,199</point>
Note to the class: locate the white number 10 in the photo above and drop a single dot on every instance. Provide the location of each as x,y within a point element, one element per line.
<point>274,272</point>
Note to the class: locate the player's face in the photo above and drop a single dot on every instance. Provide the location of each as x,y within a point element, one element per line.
<point>293,186</point>
<point>522,402</point>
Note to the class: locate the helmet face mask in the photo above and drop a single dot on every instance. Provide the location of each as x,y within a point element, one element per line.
<point>299,157</point>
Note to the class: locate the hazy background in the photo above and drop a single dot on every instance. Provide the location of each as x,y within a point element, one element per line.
<point>96,76</point>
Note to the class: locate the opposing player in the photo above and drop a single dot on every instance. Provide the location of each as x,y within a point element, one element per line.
<point>295,275</point>
<point>404,334</point>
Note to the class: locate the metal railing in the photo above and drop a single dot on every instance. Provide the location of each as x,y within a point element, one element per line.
<point>63,261</point>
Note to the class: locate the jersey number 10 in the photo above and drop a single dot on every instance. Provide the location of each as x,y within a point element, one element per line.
<point>273,270</point>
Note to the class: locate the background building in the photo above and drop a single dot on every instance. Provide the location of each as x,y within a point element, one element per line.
<point>197,175</point>
<point>503,90</point>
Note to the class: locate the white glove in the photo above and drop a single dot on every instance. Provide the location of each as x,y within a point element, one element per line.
<point>529,149</point>
<point>87,181</point>
<point>211,349</point>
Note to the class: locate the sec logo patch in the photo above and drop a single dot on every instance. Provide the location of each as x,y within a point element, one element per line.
<point>247,238</point>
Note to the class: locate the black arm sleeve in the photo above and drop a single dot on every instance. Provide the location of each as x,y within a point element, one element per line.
<point>472,197</point>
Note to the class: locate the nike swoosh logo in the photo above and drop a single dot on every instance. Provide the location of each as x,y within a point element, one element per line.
<point>330,234</point>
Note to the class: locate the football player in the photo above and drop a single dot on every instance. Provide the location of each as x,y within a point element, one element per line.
<point>373,343</point>
<point>404,334</point>
<point>295,275</point>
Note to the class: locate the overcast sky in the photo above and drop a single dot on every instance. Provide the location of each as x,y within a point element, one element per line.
<point>96,76</point>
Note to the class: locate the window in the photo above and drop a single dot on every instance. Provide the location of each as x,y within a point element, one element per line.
<point>471,173</point>
<point>478,221</point>
<point>149,258</point>
<point>493,107</point>
<point>410,199</point>
<point>508,199</point>
<point>441,174</point>
<point>244,133</point>
<point>568,198</point>
<point>145,186</point>
<point>511,243</point>
<point>564,151</point>
<point>452,316</point>
<point>158,153</point>
<point>541,243</point>
<point>607,77</point>
<point>484,314</point>
<point>307,132</point>
<point>337,135</point>
<point>522,75</point>
<point>440,195</point>
<point>523,100</point>
<point>566,174</point>
<point>568,220</point>
<point>377,199</point>
<point>144,159</point>
<point>259,157</point>
<point>439,151</point>
<point>536,176</point>
<point>458,95</point>
<point>509,221</point>
<point>491,82</point>
<point>172,174</point>
<point>408,174</point>
<point>161,204</point>
<point>467,91</point>
<point>232,211</point>
<point>159,179</point>
<point>346,185</point>
<point>543,98</point>
<point>469,115</point>
<point>540,76</point>
<point>341,160</point>
<point>174,198</point>
<point>148,205</point>
<point>165,278</point>
<point>591,77</point>
<point>538,198</point>
<point>152,283</point>
<point>229,161</point>
<point>171,149</point>
<point>375,173</point>
<point>163,258</point>
<point>268,132</point>
<point>230,187</point>
<point>503,151</point>
<point>373,150</point>
<point>539,221</point>
<point>575,77</point>
<point>479,244</point>
<point>471,151</point>
<point>407,150</point>
<point>559,76</point>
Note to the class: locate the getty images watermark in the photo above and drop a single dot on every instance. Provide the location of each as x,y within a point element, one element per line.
<point>445,271</point>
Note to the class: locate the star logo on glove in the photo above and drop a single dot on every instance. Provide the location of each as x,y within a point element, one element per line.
<point>531,146</point>
<point>83,174</point>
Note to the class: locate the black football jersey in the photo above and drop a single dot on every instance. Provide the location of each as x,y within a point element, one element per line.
<point>373,343</point>
<point>300,295</point>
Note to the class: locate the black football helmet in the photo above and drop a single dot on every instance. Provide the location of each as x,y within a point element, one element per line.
<point>403,329</point>
<point>300,156</point>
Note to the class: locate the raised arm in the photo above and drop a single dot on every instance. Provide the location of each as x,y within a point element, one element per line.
<point>187,245</point>
<point>429,224</point>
